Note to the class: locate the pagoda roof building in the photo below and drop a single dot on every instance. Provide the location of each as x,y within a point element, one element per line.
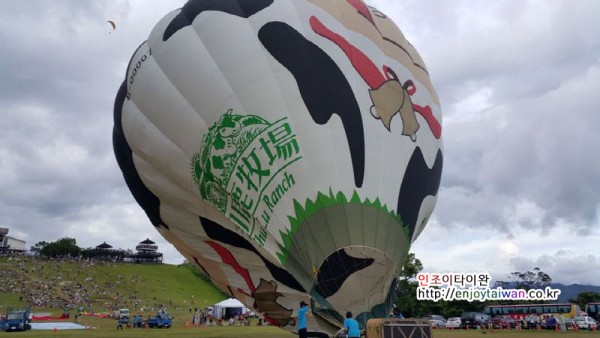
<point>147,252</point>
<point>147,246</point>
<point>104,246</point>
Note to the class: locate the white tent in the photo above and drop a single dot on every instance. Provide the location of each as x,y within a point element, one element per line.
<point>228,308</point>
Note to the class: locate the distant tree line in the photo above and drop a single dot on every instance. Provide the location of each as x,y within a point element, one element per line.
<point>407,304</point>
<point>410,307</point>
<point>585,298</point>
<point>67,247</point>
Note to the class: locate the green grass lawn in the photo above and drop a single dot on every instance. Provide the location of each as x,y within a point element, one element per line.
<point>177,287</point>
<point>512,334</point>
<point>107,328</point>
<point>110,285</point>
<point>9,300</point>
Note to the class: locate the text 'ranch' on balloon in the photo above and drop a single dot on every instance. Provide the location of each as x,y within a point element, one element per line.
<point>291,149</point>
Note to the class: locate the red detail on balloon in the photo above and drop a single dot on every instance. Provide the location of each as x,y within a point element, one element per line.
<point>228,259</point>
<point>410,88</point>
<point>369,71</point>
<point>432,122</point>
<point>389,73</point>
<point>363,65</point>
<point>362,9</point>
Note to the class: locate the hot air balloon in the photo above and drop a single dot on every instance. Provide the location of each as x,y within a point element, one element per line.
<point>291,149</point>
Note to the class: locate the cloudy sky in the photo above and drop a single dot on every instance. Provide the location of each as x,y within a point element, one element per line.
<point>519,83</point>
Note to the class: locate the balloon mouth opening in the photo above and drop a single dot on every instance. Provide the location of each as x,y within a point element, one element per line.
<point>357,265</point>
<point>366,273</point>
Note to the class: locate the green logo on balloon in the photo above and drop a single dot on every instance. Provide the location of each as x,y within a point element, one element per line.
<point>241,168</point>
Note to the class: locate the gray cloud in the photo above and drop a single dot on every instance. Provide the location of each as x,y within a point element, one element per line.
<point>518,84</point>
<point>61,66</point>
<point>563,266</point>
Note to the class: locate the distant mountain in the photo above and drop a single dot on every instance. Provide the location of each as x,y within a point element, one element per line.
<point>566,291</point>
<point>571,291</point>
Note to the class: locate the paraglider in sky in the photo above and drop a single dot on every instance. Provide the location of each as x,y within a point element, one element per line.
<point>112,24</point>
<point>291,149</point>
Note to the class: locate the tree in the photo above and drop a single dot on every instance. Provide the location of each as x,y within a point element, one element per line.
<point>38,247</point>
<point>531,279</point>
<point>411,267</point>
<point>410,307</point>
<point>455,308</point>
<point>406,289</point>
<point>61,248</point>
<point>584,298</point>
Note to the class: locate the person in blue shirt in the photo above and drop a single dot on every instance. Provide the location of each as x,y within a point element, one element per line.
<point>120,324</point>
<point>351,326</point>
<point>302,313</point>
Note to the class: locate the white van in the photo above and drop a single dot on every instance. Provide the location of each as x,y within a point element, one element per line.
<point>123,313</point>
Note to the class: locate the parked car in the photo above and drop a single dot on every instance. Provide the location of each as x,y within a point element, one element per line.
<point>123,313</point>
<point>474,320</point>
<point>503,322</point>
<point>162,319</point>
<point>453,322</point>
<point>585,322</point>
<point>436,321</point>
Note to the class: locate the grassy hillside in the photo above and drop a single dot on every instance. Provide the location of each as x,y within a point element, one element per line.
<point>50,286</point>
<point>100,287</point>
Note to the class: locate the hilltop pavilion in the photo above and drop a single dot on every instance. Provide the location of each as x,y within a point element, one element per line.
<point>104,246</point>
<point>147,252</point>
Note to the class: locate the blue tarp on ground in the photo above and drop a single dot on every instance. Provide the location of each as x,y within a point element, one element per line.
<point>57,325</point>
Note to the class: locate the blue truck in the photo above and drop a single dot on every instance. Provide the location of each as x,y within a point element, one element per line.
<point>162,319</point>
<point>16,319</point>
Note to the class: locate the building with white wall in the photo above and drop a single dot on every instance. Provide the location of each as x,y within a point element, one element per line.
<point>9,243</point>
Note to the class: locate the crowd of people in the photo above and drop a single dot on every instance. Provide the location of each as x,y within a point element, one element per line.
<point>50,283</point>
<point>16,279</point>
<point>532,321</point>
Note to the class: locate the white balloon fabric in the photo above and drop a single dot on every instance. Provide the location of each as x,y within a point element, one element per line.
<point>290,149</point>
